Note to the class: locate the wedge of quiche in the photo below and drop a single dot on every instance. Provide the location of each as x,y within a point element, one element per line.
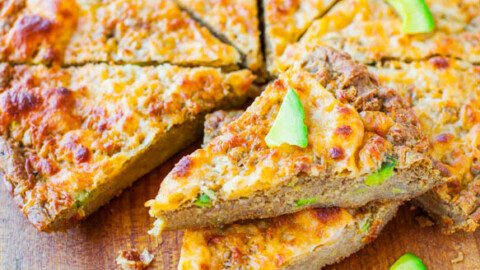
<point>445,94</point>
<point>74,32</point>
<point>285,22</point>
<point>371,30</point>
<point>364,144</point>
<point>71,139</point>
<point>309,239</point>
<point>235,21</point>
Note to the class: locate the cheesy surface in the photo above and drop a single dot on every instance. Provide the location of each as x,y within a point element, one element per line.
<point>285,21</point>
<point>445,95</point>
<point>123,31</point>
<point>266,243</point>
<point>76,128</point>
<point>370,30</point>
<point>235,20</point>
<point>238,163</point>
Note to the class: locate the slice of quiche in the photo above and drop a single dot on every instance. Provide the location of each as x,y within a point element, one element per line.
<point>445,94</point>
<point>74,32</point>
<point>364,144</point>
<point>71,139</point>
<point>286,21</point>
<point>371,30</point>
<point>309,239</point>
<point>235,21</point>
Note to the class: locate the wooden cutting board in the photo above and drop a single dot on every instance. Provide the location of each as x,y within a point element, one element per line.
<point>123,224</point>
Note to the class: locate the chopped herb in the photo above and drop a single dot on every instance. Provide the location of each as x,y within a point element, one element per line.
<point>396,190</point>
<point>203,200</point>
<point>360,190</point>
<point>81,198</point>
<point>385,172</point>
<point>366,225</point>
<point>303,202</point>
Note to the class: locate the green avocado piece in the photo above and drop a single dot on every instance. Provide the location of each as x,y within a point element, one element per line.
<point>289,127</point>
<point>302,202</point>
<point>203,201</point>
<point>81,198</point>
<point>408,262</point>
<point>385,172</point>
<point>415,15</point>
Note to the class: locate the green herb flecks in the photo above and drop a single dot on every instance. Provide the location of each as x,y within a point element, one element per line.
<point>385,172</point>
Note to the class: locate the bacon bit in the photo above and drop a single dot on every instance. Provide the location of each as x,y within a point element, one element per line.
<point>325,215</point>
<point>444,171</point>
<point>81,154</point>
<point>444,138</point>
<point>343,130</point>
<point>336,153</point>
<point>183,166</point>
<point>440,62</point>
<point>279,84</point>
<point>342,109</point>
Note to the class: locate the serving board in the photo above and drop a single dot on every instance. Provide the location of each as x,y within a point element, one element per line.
<point>124,222</point>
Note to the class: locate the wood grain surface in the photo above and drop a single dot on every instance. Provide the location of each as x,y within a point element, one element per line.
<point>123,224</point>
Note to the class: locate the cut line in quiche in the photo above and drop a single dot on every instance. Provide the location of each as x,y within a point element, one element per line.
<point>356,127</point>
<point>235,21</point>
<point>445,95</point>
<point>303,240</point>
<point>371,31</point>
<point>285,22</point>
<point>74,32</point>
<point>71,139</point>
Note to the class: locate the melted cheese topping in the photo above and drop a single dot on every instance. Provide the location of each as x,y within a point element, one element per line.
<point>239,163</point>
<point>446,97</point>
<point>370,30</point>
<point>236,20</point>
<point>77,127</point>
<point>263,244</point>
<point>78,31</point>
<point>285,21</point>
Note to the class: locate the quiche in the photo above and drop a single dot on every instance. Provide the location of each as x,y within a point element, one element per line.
<point>286,21</point>
<point>445,95</point>
<point>74,32</point>
<point>284,242</point>
<point>358,131</point>
<point>371,31</point>
<point>309,239</point>
<point>235,21</point>
<point>72,138</point>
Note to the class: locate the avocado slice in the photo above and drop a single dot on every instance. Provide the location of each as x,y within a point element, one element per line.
<point>289,127</point>
<point>415,15</point>
<point>408,262</point>
<point>385,172</point>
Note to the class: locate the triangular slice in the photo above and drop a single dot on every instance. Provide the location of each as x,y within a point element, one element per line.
<point>286,21</point>
<point>371,30</point>
<point>143,31</point>
<point>235,21</point>
<point>349,139</point>
<point>294,241</point>
<point>71,139</point>
<point>445,94</point>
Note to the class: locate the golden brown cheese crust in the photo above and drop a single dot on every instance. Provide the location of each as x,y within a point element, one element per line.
<point>370,30</point>
<point>238,163</point>
<point>60,138</point>
<point>234,20</point>
<point>445,95</point>
<point>285,21</point>
<point>76,32</point>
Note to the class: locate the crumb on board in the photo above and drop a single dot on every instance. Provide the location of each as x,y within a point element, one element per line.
<point>459,257</point>
<point>132,260</point>
<point>424,221</point>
